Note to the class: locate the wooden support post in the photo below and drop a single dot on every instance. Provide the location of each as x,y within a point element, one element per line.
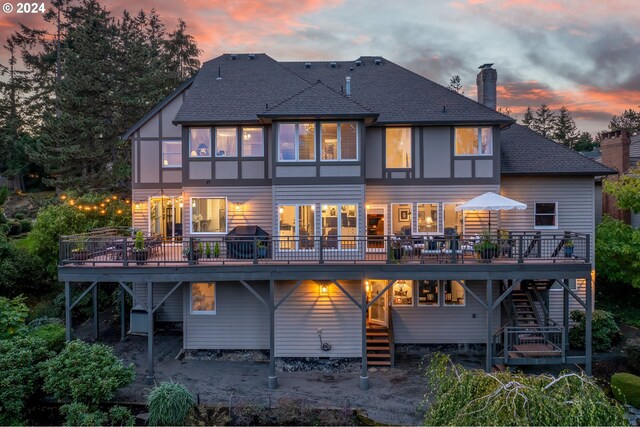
<point>587,339</point>
<point>96,320</point>
<point>67,310</point>
<point>565,315</point>
<point>273,379</point>
<point>489,362</point>
<point>123,315</point>
<point>150,370</point>
<point>364,375</point>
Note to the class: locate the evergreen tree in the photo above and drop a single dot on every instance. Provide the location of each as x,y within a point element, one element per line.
<point>528,119</point>
<point>629,121</point>
<point>182,53</point>
<point>585,142</point>
<point>455,84</point>
<point>544,121</point>
<point>564,128</point>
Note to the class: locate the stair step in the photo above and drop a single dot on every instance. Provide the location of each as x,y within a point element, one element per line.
<point>378,348</point>
<point>379,363</point>
<point>378,356</point>
<point>378,341</point>
<point>377,334</point>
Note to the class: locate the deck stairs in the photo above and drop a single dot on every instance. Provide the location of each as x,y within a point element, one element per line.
<point>378,346</point>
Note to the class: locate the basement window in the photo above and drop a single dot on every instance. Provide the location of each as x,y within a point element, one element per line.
<point>454,294</point>
<point>203,298</point>
<point>403,293</point>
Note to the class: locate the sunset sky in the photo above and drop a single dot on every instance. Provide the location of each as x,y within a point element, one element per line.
<point>584,54</point>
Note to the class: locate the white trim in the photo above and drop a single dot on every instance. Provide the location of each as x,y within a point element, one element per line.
<point>478,154</point>
<point>210,142</point>
<point>241,149</point>
<point>203,312</point>
<point>179,144</point>
<point>444,301</point>
<point>296,235</point>
<point>296,144</point>
<point>213,233</point>
<point>411,206</point>
<point>215,142</point>
<point>545,227</point>
<point>339,141</point>
<point>339,206</point>
<point>439,211</point>
<point>413,294</point>
<point>173,200</point>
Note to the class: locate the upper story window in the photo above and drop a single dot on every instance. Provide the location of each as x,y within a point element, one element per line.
<point>545,215</point>
<point>226,142</point>
<point>171,154</point>
<point>296,142</point>
<point>398,148</point>
<point>339,141</point>
<point>474,141</point>
<point>209,215</point>
<point>252,142</point>
<point>200,142</point>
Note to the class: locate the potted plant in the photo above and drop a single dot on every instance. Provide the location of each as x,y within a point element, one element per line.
<point>139,254</point>
<point>261,249</point>
<point>216,250</point>
<point>568,248</point>
<point>80,252</point>
<point>207,250</point>
<point>486,249</point>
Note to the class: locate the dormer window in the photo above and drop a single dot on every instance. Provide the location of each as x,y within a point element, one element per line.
<point>339,141</point>
<point>474,141</point>
<point>296,142</point>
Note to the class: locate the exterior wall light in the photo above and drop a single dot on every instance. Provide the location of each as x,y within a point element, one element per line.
<point>324,290</point>
<point>138,206</point>
<point>239,208</point>
<point>367,287</point>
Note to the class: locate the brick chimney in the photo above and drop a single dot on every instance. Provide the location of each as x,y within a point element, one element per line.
<point>487,81</point>
<point>615,154</point>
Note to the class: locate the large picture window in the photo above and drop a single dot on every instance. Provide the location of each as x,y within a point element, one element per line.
<point>429,293</point>
<point>252,142</point>
<point>171,154</point>
<point>428,218</point>
<point>203,298</point>
<point>473,141</point>
<point>297,226</point>
<point>339,222</point>
<point>339,141</point>
<point>199,142</point>
<point>403,293</point>
<point>296,142</point>
<point>401,219</point>
<point>454,293</point>
<point>545,215</point>
<point>226,142</point>
<point>398,148</point>
<point>209,215</point>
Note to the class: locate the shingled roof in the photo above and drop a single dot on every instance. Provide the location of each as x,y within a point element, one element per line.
<point>239,88</point>
<point>525,152</point>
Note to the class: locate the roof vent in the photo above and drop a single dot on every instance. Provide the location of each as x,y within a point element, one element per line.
<point>348,86</point>
<point>333,65</point>
<point>377,61</point>
<point>485,66</point>
<point>234,57</point>
<point>252,56</point>
<point>307,65</point>
<point>358,63</point>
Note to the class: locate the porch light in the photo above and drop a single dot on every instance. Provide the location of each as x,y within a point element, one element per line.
<point>324,208</point>
<point>138,206</point>
<point>313,207</point>
<point>368,206</point>
<point>239,208</point>
<point>367,287</point>
<point>181,205</point>
<point>193,204</point>
<point>324,289</point>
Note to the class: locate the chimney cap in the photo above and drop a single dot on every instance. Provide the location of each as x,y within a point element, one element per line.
<point>485,66</point>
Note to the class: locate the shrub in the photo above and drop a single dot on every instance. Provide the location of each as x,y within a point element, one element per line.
<point>15,227</point>
<point>20,271</point>
<point>79,414</point>
<point>19,216</point>
<point>169,404</point>
<point>626,388</point>
<point>604,330</point>
<point>13,313</point>
<point>26,225</point>
<point>458,396</point>
<point>4,229</point>
<point>3,218</point>
<point>86,373</point>
<point>20,360</point>
<point>53,334</point>
<point>121,416</point>
<point>632,349</point>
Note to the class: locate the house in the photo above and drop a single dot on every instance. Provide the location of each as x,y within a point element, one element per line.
<point>309,209</point>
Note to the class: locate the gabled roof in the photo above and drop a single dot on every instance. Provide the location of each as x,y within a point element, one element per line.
<point>239,88</point>
<point>318,100</point>
<point>525,152</point>
<point>185,85</point>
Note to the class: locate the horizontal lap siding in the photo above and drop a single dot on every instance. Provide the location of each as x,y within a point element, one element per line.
<point>171,310</point>
<point>241,321</point>
<point>257,205</point>
<point>556,301</point>
<point>446,325</point>
<point>305,311</point>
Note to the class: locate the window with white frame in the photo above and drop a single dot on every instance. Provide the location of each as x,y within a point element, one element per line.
<point>398,148</point>
<point>339,226</point>
<point>203,298</point>
<point>339,141</point>
<point>209,215</point>
<point>401,214</point>
<point>428,218</point>
<point>545,215</point>
<point>402,293</point>
<point>200,142</point>
<point>226,142</point>
<point>296,142</point>
<point>454,294</point>
<point>252,142</point>
<point>171,154</point>
<point>429,293</point>
<point>297,224</point>
<point>472,141</point>
<point>453,220</point>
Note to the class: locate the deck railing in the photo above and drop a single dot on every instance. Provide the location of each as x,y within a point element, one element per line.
<point>117,246</point>
<point>513,342</point>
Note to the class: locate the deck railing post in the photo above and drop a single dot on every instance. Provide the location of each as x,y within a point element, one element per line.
<point>520,249</point>
<point>587,254</point>
<point>190,250</point>
<point>124,252</point>
<point>505,345</point>
<point>321,261</point>
<point>255,250</point>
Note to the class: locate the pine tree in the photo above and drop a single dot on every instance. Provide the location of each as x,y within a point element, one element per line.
<point>182,52</point>
<point>544,121</point>
<point>585,142</point>
<point>564,128</point>
<point>455,84</point>
<point>629,120</point>
<point>528,118</point>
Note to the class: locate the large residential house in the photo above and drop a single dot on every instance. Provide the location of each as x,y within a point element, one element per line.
<point>310,209</point>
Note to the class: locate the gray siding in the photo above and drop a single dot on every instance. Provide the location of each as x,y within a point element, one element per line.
<point>305,311</point>
<point>171,310</point>
<point>256,200</point>
<point>241,321</point>
<point>445,324</point>
<point>556,300</point>
<point>598,202</point>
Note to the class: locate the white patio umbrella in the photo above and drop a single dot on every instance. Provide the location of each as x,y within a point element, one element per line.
<point>491,202</point>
